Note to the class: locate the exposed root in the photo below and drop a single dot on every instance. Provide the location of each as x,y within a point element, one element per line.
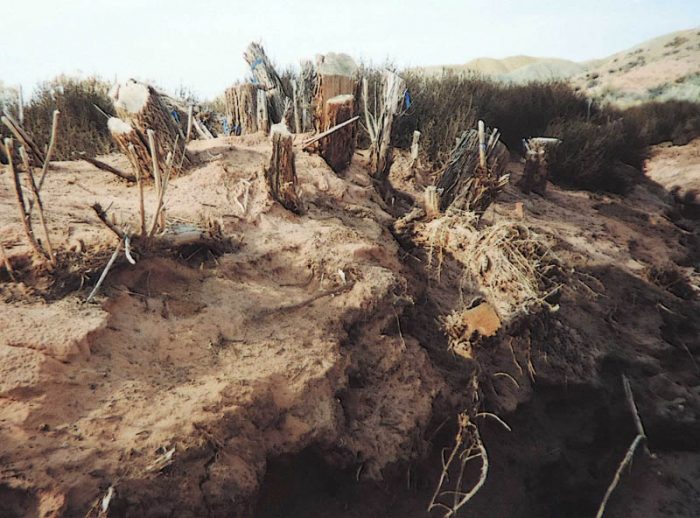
<point>629,455</point>
<point>468,446</point>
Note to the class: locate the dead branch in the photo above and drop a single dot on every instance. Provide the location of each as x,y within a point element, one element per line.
<point>24,215</point>
<point>618,473</point>
<point>49,152</point>
<point>629,455</point>
<point>23,138</point>
<point>105,271</point>
<point>108,168</point>
<point>104,219</point>
<point>37,200</point>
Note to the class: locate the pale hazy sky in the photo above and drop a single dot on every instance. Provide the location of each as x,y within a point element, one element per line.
<point>200,43</point>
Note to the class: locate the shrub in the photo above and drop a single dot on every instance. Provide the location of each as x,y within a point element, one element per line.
<point>675,121</point>
<point>84,105</point>
<point>444,106</point>
<point>595,156</point>
<point>601,145</point>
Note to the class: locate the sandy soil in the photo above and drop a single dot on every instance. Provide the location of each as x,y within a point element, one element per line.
<point>304,371</point>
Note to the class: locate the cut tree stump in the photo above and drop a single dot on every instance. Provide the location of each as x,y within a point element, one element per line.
<point>305,95</point>
<point>282,175</point>
<point>140,106</point>
<point>334,101</point>
<point>338,148</point>
<point>464,183</point>
<point>262,112</point>
<point>536,169</point>
<point>336,74</point>
<point>267,80</point>
<point>242,108</point>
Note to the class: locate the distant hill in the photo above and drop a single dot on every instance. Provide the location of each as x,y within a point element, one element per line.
<point>667,67</point>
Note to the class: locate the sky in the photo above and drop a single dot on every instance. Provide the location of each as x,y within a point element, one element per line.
<point>199,43</point>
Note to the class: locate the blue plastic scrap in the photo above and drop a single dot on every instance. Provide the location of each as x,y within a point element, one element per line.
<point>406,99</point>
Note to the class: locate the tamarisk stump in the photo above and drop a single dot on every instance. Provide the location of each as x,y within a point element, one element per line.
<point>381,156</point>
<point>267,79</point>
<point>305,95</point>
<point>133,144</point>
<point>141,107</point>
<point>536,169</point>
<point>338,148</point>
<point>336,74</point>
<point>334,103</point>
<point>465,184</point>
<point>282,174</point>
<point>242,108</point>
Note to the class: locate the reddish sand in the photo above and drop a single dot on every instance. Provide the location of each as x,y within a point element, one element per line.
<point>313,351</point>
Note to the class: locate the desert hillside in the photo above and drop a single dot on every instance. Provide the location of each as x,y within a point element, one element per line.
<point>667,67</point>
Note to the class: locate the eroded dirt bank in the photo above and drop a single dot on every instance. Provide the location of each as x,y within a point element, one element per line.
<point>308,369</point>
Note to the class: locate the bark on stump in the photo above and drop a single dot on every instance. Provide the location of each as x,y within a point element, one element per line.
<point>140,106</point>
<point>282,175</point>
<point>536,169</point>
<point>338,148</point>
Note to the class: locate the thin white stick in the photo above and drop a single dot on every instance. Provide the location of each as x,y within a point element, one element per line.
<point>49,152</point>
<point>482,144</point>
<point>37,200</point>
<point>154,157</point>
<point>127,250</point>
<point>104,272</point>
<point>20,103</point>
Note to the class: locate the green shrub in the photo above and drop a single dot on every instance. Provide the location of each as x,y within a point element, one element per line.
<point>82,126</point>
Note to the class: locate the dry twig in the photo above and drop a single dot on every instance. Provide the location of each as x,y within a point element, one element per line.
<point>629,455</point>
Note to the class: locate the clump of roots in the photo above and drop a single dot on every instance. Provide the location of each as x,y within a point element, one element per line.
<point>507,263</point>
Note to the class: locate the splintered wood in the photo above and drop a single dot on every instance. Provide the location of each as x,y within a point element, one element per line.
<point>282,175</point>
<point>381,156</point>
<point>267,80</point>
<point>140,108</point>
<point>475,173</point>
